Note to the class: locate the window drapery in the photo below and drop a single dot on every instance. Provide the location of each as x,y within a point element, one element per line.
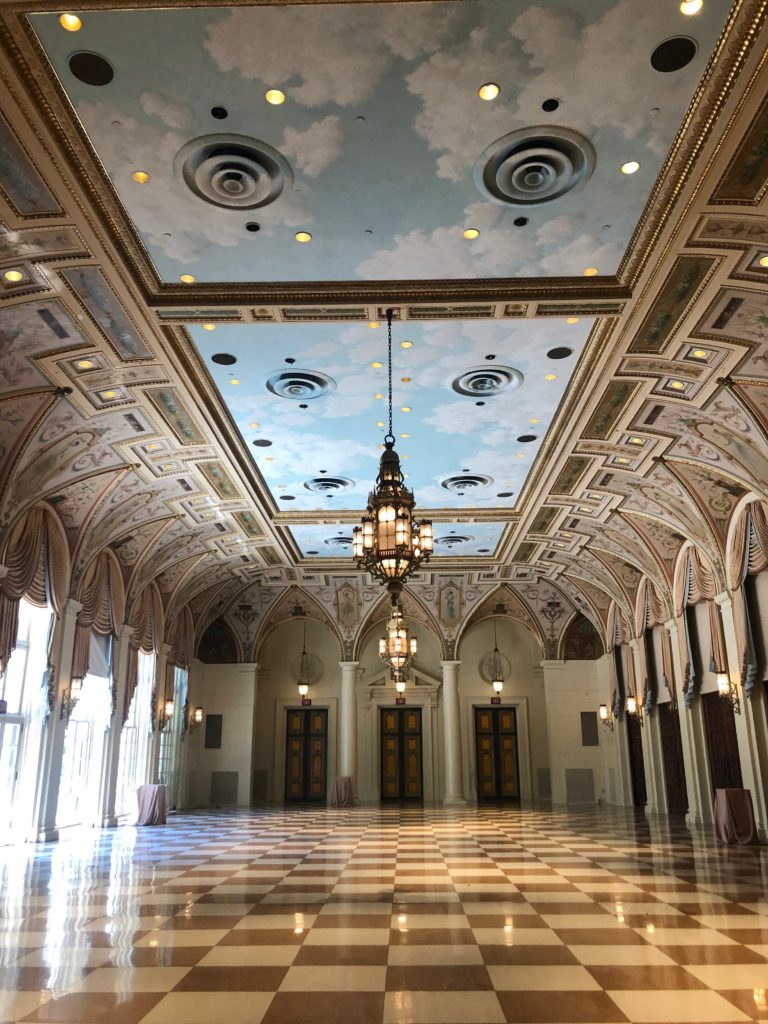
<point>103,600</point>
<point>748,556</point>
<point>147,625</point>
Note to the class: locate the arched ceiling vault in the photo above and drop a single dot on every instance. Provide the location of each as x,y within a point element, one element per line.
<point>112,411</point>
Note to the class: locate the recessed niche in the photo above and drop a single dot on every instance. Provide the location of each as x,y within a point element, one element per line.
<point>91,68</point>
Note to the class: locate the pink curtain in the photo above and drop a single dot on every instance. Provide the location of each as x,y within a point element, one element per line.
<point>37,561</point>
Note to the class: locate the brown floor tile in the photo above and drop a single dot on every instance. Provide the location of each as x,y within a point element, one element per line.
<point>499,920</point>
<point>262,937</point>
<point>33,979</point>
<point>599,937</point>
<point>527,955</point>
<point>97,1008</point>
<point>747,936</point>
<point>158,956</point>
<point>341,956</point>
<point>181,923</point>
<point>232,979</point>
<point>694,954</point>
<point>559,1008</point>
<point>745,1000</point>
<point>422,978</point>
<point>569,907</point>
<point>328,1007</point>
<point>432,937</point>
<point>353,920</point>
<point>660,921</point>
<point>638,978</point>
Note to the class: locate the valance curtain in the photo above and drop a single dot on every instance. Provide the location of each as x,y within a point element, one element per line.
<point>655,612</point>
<point>146,622</point>
<point>103,600</point>
<point>37,561</point>
<point>697,584</point>
<point>181,639</point>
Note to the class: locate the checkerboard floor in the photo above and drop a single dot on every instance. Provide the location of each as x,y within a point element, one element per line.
<point>373,916</point>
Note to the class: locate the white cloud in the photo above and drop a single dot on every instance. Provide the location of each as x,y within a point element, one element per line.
<point>165,211</point>
<point>171,112</point>
<point>584,251</point>
<point>315,148</point>
<point>335,53</point>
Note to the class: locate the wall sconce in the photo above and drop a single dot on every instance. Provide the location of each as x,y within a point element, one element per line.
<point>634,708</point>
<point>195,719</point>
<point>399,680</point>
<point>166,714</point>
<point>728,691</point>
<point>71,697</point>
<point>604,713</point>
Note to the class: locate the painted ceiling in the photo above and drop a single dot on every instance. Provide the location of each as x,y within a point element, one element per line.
<point>382,130</point>
<point>310,401</point>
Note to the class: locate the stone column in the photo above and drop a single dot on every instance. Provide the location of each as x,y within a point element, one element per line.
<point>694,757</point>
<point>52,750</point>
<point>348,722</point>
<point>454,776</point>
<point>112,747</point>
<point>655,803</point>
<point>746,734</point>
<point>161,660</point>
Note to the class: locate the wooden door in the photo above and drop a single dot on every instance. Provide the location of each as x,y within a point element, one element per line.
<point>498,776</point>
<point>722,745</point>
<point>636,761</point>
<point>306,745</point>
<point>672,758</point>
<point>401,768</point>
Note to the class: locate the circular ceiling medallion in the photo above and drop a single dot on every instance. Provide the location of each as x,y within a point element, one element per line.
<point>673,54</point>
<point>91,68</point>
<point>224,359</point>
<point>329,484</point>
<point>487,380</point>
<point>561,352</point>
<point>534,165</point>
<point>453,540</point>
<point>466,482</point>
<point>338,542</point>
<point>487,666</point>
<point>300,385</point>
<point>233,171</point>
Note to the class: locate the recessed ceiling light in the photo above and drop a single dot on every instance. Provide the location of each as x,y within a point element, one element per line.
<point>187,279</point>
<point>380,423</point>
<point>636,440</point>
<point>550,376</point>
<point>209,327</point>
<point>85,364</point>
<point>377,395</point>
<point>699,353</point>
<point>108,394</point>
<point>489,91</point>
<point>405,408</point>
<point>13,276</point>
<point>377,365</point>
<point>630,167</point>
<point>406,344</point>
<point>763,261</point>
<point>234,380</point>
<point>533,420</point>
<point>70,22</point>
<point>405,456</point>
<point>691,6</point>
<point>677,385</point>
<point>521,455</point>
<point>591,272</point>
<point>622,460</point>
<point>471,233</point>
<point>402,435</point>
<point>405,380</point>
<point>275,97</point>
<point>373,324</point>
<point>140,177</point>
<point>303,236</point>
<point>269,458</point>
<point>571,319</point>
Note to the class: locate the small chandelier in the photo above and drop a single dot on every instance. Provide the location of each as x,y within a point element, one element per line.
<point>303,681</point>
<point>497,668</point>
<point>396,647</point>
<point>399,680</point>
<point>390,544</point>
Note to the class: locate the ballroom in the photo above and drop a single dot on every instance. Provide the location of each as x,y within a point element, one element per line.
<point>384,591</point>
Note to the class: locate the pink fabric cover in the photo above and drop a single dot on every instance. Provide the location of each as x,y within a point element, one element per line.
<point>151,805</point>
<point>734,817</point>
<point>342,792</point>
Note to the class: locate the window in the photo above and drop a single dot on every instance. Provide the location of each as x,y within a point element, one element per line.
<point>133,766</point>
<point>170,739</point>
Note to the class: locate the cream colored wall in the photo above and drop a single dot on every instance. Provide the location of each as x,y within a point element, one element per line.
<point>229,691</point>
<point>524,690</point>
<point>572,687</point>
<point>278,665</point>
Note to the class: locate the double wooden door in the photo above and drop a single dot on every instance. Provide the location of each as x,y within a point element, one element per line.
<point>306,753</point>
<point>636,760</point>
<point>672,757</point>
<point>498,775</point>
<point>722,745</point>
<point>401,769</point>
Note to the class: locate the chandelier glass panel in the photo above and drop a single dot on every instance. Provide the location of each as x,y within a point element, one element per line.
<point>390,543</point>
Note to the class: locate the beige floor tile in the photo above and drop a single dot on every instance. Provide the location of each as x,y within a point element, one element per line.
<point>554,978</point>
<point>130,979</point>
<point>183,937</point>
<point>684,937</point>
<point>405,956</point>
<point>623,956</point>
<point>730,976</point>
<point>14,1005</point>
<point>599,921</point>
<point>730,921</point>
<point>249,956</point>
<point>445,1007</point>
<point>679,1005</point>
<point>348,937</point>
<point>516,937</point>
<point>334,979</point>
<point>210,1008</point>
<point>289,922</point>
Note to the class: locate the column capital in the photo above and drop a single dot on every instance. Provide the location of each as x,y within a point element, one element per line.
<point>71,607</point>
<point>724,600</point>
<point>124,631</point>
<point>449,664</point>
<point>348,664</point>
<point>671,626</point>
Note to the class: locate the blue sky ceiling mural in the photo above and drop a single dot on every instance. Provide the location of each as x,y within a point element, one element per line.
<point>383,152</point>
<point>472,403</point>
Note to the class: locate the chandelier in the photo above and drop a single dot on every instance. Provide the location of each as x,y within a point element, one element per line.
<point>397,648</point>
<point>390,544</point>
<point>496,666</point>
<point>303,680</point>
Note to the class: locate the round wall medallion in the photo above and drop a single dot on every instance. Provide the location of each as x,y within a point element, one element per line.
<point>233,171</point>
<point>487,380</point>
<point>300,385</point>
<point>466,481</point>
<point>314,668</point>
<point>486,666</point>
<point>534,165</point>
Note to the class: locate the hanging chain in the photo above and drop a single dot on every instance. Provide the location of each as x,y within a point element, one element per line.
<point>389,364</point>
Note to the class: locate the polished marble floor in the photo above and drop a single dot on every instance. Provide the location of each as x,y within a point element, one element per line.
<point>394,915</point>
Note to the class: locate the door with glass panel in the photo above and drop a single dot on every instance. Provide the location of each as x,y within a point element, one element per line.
<point>498,777</point>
